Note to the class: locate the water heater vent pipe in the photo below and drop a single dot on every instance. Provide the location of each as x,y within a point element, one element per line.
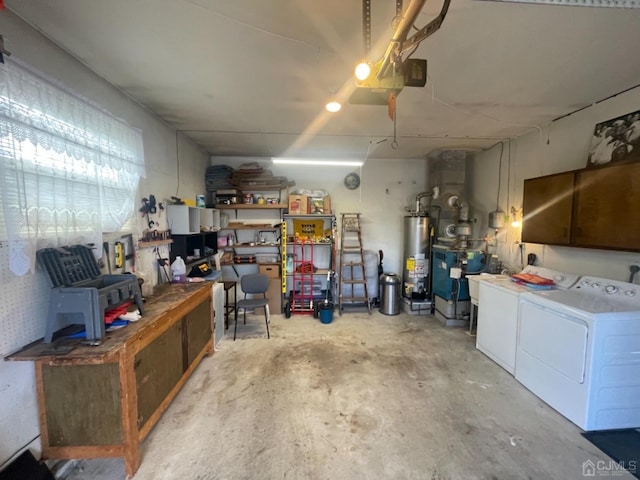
<point>432,195</point>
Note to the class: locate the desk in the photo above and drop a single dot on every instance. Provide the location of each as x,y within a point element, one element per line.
<point>102,401</point>
<point>229,285</point>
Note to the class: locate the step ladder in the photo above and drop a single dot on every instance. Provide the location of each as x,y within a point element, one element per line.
<point>352,267</point>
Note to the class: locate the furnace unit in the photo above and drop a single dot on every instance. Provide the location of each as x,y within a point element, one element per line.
<point>450,285</point>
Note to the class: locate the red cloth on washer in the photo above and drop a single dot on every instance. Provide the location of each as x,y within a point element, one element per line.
<point>533,279</point>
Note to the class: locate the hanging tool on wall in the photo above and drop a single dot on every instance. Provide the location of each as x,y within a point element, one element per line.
<point>149,208</point>
<point>105,246</point>
<point>130,253</point>
<point>118,254</point>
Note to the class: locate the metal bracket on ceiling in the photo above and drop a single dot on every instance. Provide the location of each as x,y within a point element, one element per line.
<point>366,26</point>
<point>399,42</point>
<point>366,23</point>
<point>398,16</point>
<point>427,30</point>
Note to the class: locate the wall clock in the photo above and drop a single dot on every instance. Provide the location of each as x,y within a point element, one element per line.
<point>352,181</point>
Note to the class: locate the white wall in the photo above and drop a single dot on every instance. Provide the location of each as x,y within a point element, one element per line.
<point>563,146</point>
<point>18,408</point>
<point>386,188</point>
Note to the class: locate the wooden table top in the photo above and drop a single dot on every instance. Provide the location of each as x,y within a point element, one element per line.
<point>166,297</point>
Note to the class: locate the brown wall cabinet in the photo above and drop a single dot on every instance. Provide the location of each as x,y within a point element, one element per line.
<point>547,209</point>
<point>102,401</point>
<point>588,208</point>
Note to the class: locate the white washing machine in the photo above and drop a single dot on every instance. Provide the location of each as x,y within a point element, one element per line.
<point>497,329</point>
<point>579,351</point>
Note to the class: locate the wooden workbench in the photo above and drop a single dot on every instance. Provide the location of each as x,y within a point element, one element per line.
<point>103,400</point>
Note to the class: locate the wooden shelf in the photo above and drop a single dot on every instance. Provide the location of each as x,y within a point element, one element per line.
<point>252,206</point>
<point>154,243</point>
<point>262,188</point>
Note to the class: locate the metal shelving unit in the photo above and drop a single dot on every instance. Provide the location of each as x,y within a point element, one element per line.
<point>308,259</point>
<point>256,239</point>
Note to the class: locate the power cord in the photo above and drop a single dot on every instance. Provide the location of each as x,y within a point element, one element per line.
<point>633,269</point>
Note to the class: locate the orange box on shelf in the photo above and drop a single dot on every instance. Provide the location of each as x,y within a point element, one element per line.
<point>298,204</point>
<point>327,205</point>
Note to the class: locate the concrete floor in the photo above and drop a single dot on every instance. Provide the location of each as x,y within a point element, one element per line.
<point>364,397</point>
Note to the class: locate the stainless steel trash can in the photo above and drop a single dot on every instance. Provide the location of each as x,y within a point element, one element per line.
<point>389,294</point>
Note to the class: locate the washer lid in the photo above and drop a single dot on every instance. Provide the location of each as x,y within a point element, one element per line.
<point>580,304</point>
<point>561,279</point>
<point>503,282</point>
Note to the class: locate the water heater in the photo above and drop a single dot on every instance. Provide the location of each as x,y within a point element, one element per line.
<point>417,231</point>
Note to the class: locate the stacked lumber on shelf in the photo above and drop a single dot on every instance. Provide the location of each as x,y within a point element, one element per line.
<point>252,176</point>
<point>217,177</point>
<point>225,185</point>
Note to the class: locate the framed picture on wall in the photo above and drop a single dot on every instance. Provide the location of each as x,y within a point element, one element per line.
<point>616,140</point>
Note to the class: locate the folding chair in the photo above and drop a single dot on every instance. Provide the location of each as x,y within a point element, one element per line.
<point>253,284</point>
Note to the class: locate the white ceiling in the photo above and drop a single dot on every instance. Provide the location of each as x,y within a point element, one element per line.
<point>250,78</point>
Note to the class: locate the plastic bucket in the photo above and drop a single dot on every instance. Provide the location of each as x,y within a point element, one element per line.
<point>326,312</point>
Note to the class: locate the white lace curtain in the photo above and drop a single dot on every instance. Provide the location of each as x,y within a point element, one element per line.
<point>68,170</point>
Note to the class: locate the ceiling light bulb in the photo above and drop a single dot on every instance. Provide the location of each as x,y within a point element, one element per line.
<point>363,70</point>
<point>333,107</point>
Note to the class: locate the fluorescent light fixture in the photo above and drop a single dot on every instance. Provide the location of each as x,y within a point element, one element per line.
<point>304,161</point>
<point>333,107</point>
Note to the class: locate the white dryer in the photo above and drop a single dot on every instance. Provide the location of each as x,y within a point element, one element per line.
<point>498,317</point>
<point>579,351</point>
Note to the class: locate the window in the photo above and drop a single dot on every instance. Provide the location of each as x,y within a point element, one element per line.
<point>68,170</point>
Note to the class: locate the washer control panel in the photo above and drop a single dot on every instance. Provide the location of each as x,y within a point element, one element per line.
<point>606,287</point>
